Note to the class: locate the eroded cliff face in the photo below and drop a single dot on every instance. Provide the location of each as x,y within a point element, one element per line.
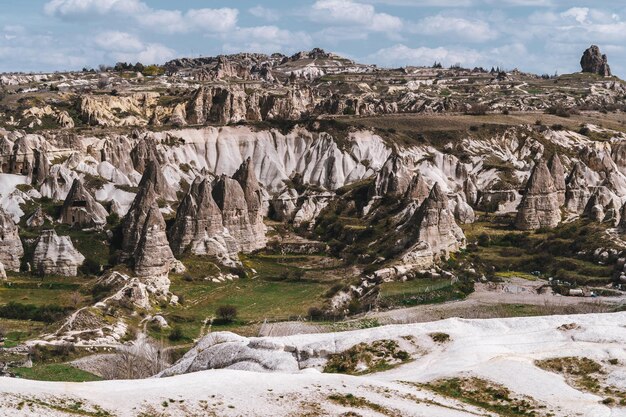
<point>11,249</point>
<point>56,255</point>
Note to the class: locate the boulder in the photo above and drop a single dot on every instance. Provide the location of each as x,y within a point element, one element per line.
<point>81,209</point>
<point>56,255</point>
<point>11,249</point>
<point>540,204</point>
<point>593,61</point>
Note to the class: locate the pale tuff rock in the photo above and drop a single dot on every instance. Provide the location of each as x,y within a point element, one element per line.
<point>3,272</point>
<point>153,256</point>
<point>435,225</point>
<point>58,183</point>
<point>418,189</point>
<point>471,191</point>
<point>144,240</point>
<point>311,207</point>
<point>81,209</point>
<point>223,350</point>
<point>11,249</point>
<point>116,151</point>
<point>499,201</point>
<point>144,152</point>
<point>231,200</point>
<point>576,191</point>
<point>154,174</point>
<point>198,220</point>
<point>254,199</point>
<point>103,110</point>
<point>56,255</point>
<point>41,167</point>
<point>463,212</point>
<point>540,204</point>
<point>558,175</point>
<point>37,219</point>
<point>603,206</point>
<point>595,62</point>
<point>393,179</point>
<point>284,205</point>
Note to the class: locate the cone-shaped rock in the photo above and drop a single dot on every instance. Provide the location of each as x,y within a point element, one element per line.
<point>577,193</point>
<point>231,200</point>
<point>116,152</point>
<point>435,224</point>
<point>418,189</point>
<point>540,204</point>
<point>246,177</point>
<point>198,218</point>
<point>599,203</point>
<point>56,255</point>
<point>144,152</point>
<point>153,256</point>
<point>41,167</point>
<point>154,174</point>
<point>393,178</point>
<point>558,176</point>
<point>81,209</point>
<point>11,249</point>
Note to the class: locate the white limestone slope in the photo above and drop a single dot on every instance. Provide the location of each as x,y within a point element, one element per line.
<point>501,350</point>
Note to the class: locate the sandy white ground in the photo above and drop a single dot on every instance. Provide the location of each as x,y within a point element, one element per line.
<point>501,350</point>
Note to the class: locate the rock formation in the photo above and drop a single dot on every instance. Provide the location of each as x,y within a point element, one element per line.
<point>162,188</point>
<point>143,228</point>
<point>558,176</point>
<point>595,62</point>
<point>37,219</point>
<point>11,249</point>
<point>254,199</point>
<point>418,189</point>
<point>435,225</point>
<point>56,255</point>
<point>198,224</point>
<point>540,204</point>
<point>602,205</point>
<point>144,152</point>
<point>231,200</point>
<point>393,179</point>
<point>576,191</point>
<point>81,209</point>
<point>41,167</point>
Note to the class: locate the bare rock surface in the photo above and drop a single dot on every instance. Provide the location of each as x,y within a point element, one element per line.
<point>56,255</point>
<point>11,249</point>
<point>81,209</point>
<point>540,204</point>
<point>595,62</point>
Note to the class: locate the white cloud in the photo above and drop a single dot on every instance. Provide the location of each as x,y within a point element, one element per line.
<point>577,13</point>
<point>152,53</point>
<point>77,7</point>
<point>348,12</point>
<point>462,29</point>
<point>264,13</point>
<point>159,20</point>
<point>118,41</point>
<point>266,39</point>
<point>403,55</point>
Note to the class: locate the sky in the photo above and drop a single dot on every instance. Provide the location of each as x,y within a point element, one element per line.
<point>539,36</point>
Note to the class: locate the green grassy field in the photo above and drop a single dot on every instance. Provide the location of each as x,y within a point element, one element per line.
<point>55,372</point>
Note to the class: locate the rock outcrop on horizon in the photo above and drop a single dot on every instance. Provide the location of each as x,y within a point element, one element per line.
<point>593,61</point>
<point>540,205</point>
<point>11,249</point>
<point>81,209</point>
<point>56,255</point>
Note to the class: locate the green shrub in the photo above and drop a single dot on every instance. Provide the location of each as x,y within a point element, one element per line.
<point>226,313</point>
<point>176,334</point>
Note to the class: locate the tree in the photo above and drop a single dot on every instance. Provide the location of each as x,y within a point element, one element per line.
<point>226,313</point>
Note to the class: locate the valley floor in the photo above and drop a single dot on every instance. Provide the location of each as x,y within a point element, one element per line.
<point>498,357</point>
